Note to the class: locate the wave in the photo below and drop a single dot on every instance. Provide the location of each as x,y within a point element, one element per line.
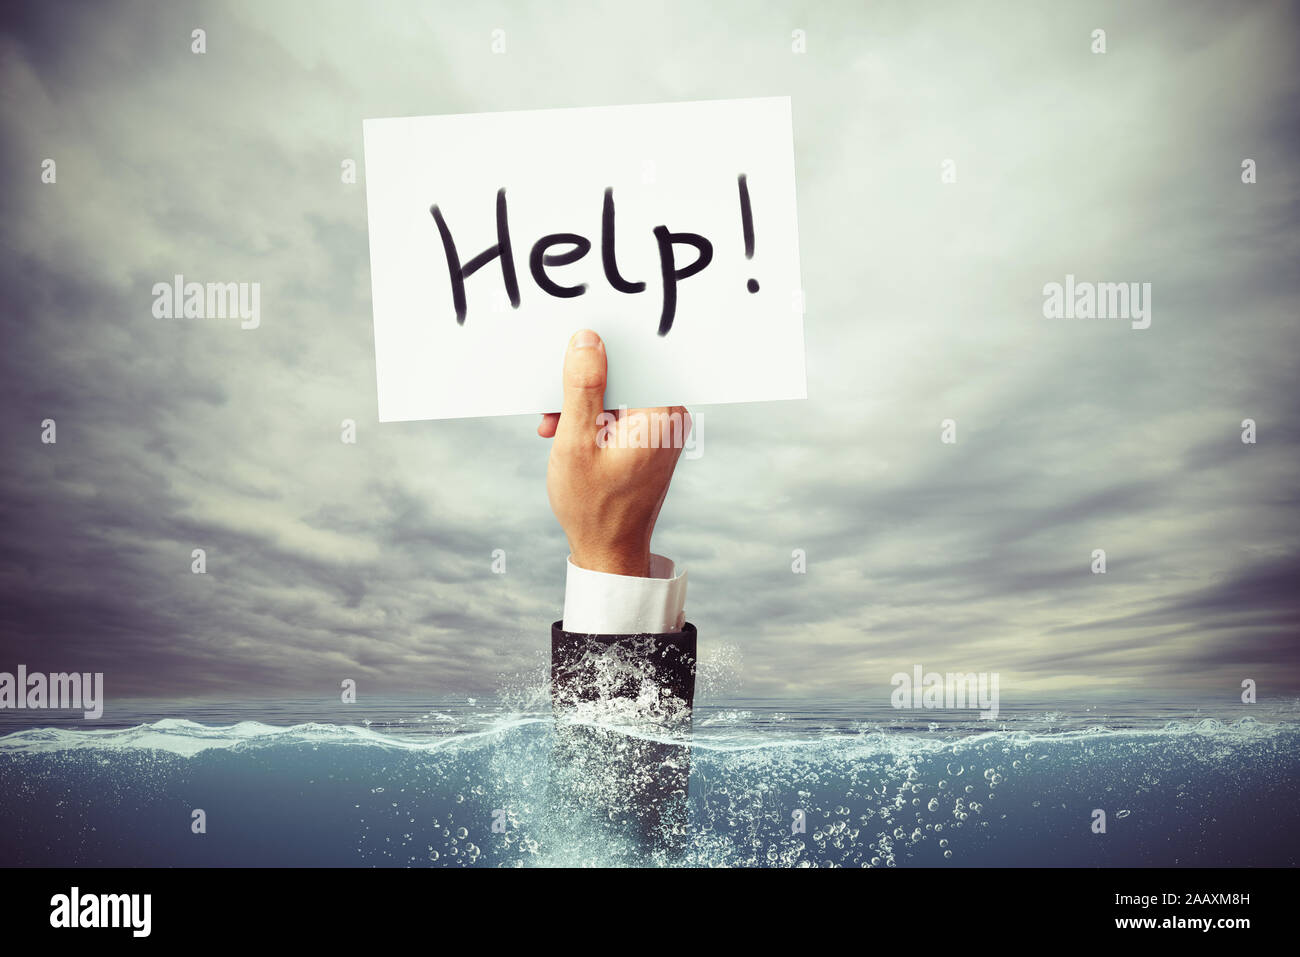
<point>725,733</point>
<point>184,738</point>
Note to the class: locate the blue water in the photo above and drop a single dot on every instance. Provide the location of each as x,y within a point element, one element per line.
<point>421,782</point>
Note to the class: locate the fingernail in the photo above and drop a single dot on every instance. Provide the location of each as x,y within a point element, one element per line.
<point>586,339</point>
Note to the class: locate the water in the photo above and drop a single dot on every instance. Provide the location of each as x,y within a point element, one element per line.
<point>495,782</point>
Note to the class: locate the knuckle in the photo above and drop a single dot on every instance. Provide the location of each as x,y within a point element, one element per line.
<point>585,380</point>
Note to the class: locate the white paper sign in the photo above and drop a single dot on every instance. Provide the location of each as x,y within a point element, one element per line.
<point>609,213</point>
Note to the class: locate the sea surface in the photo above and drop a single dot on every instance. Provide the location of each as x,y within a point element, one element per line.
<point>498,782</point>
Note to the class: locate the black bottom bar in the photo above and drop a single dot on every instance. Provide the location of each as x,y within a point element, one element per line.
<point>331,906</point>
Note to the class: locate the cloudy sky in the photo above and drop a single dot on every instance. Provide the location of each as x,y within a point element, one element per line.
<point>373,561</point>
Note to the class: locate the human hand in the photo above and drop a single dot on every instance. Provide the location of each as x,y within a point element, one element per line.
<point>608,473</point>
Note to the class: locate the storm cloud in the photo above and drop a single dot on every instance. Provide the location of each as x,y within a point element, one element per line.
<point>924,299</point>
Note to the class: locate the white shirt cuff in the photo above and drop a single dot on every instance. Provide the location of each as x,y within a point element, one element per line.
<point>598,603</point>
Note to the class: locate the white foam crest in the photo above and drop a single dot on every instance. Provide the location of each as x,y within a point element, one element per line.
<point>184,738</point>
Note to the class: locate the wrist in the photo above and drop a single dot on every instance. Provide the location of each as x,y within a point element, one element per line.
<point>634,562</point>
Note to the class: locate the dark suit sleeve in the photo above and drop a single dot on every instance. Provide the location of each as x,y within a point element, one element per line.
<point>605,777</point>
<point>590,667</point>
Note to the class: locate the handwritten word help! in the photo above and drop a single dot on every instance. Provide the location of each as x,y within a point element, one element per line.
<point>539,258</point>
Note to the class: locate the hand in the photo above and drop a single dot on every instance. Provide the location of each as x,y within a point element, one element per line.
<point>606,487</point>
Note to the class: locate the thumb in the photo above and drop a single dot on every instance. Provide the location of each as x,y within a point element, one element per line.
<point>585,367</point>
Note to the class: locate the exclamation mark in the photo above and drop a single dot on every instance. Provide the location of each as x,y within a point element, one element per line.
<point>747,226</point>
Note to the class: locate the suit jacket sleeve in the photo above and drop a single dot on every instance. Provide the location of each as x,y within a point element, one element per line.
<point>593,667</point>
